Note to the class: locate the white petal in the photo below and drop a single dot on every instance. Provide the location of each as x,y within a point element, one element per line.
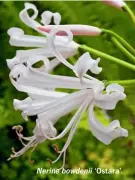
<point>58,107</point>
<point>84,63</point>
<point>114,87</point>
<point>57,18</point>
<point>30,77</point>
<point>12,62</point>
<point>103,133</point>
<point>46,17</point>
<point>24,16</point>
<point>65,50</point>
<point>109,100</point>
<point>19,39</point>
<point>18,104</point>
<point>30,21</point>
<point>15,32</point>
<point>33,90</point>
<point>94,66</point>
<point>28,103</point>
<point>23,54</point>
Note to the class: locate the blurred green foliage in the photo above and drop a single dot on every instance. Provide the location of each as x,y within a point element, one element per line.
<point>85,150</point>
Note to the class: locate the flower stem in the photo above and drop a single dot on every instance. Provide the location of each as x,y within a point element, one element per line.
<point>123,50</point>
<point>107,56</point>
<point>123,82</point>
<point>125,43</point>
<point>130,13</point>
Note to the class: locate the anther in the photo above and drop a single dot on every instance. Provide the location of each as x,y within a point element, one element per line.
<point>19,128</point>
<point>13,149</point>
<point>56,148</point>
<point>49,160</point>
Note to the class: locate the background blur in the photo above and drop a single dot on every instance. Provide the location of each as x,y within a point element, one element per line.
<point>85,150</point>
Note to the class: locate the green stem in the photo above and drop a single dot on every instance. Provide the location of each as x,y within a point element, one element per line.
<point>130,13</point>
<point>123,82</point>
<point>107,56</point>
<point>122,49</point>
<point>125,43</point>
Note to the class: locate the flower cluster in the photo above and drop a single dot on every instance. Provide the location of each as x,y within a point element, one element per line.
<point>43,101</point>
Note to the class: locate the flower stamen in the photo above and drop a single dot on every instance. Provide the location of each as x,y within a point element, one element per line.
<point>56,148</point>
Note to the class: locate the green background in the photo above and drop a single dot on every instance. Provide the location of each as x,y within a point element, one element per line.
<point>85,150</point>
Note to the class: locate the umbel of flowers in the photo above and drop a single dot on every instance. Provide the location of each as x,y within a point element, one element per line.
<point>56,42</point>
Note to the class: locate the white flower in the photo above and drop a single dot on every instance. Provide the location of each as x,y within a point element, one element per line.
<point>46,103</point>
<point>54,109</point>
<point>50,106</point>
<point>116,3</point>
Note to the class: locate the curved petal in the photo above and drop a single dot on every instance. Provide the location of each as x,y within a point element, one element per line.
<point>114,88</point>
<point>94,66</point>
<point>103,133</point>
<point>84,63</point>
<point>47,17</point>
<point>57,18</point>
<point>30,21</point>
<point>19,39</point>
<point>12,62</point>
<point>108,101</point>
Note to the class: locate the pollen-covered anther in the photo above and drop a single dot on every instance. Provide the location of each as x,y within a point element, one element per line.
<point>56,148</point>
<point>13,150</point>
<point>19,128</point>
